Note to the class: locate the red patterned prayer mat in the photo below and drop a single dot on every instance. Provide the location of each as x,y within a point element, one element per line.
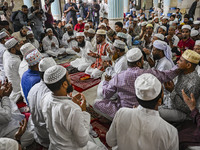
<point>67,64</point>
<point>82,85</point>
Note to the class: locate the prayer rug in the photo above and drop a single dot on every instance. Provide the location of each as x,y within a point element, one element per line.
<point>65,59</point>
<point>67,64</point>
<point>24,109</point>
<point>82,85</point>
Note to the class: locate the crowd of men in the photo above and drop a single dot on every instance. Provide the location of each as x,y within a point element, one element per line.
<point>149,70</point>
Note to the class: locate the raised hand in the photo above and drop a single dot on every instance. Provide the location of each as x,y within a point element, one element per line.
<point>21,129</point>
<point>169,86</point>
<point>191,102</point>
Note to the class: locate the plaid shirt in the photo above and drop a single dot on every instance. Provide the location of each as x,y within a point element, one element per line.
<point>123,85</point>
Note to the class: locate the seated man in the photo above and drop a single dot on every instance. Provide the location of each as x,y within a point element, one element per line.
<point>69,39</point>
<point>10,117</point>
<point>21,35</point>
<point>92,38</point>
<point>32,75</point>
<point>84,47</point>
<point>66,118</point>
<point>97,69</point>
<point>30,39</point>
<point>51,45</point>
<point>142,128</point>
<point>119,65</point>
<point>123,85</point>
<point>79,27</point>
<point>35,96</point>
<point>188,80</point>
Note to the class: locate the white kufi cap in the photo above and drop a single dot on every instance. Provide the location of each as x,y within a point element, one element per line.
<point>11,43</point>
<point>186,27</point>
<point>134,54</point>
<point>80,34</point>
<point>3,34</point>
<point>49,29</point>
<point>163,27</point>
<point>91,31</point>
<point>194,33</point>
<point>54,74</point>
<point>46,63</point>
<point>147,87</point>
<point>119,44</point>
<point>29,32</point>
<point>160,36</point>
<point>122,35</point>
<point>197,42</point>
<point>8,144</point>
<point>79,19</point>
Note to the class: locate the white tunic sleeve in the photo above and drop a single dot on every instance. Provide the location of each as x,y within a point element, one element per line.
<point>5,110</point>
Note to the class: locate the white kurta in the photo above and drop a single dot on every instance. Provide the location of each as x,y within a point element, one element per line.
<point>198,69</point>
<point>141,129</point>
<point>67,124</point>
<point>129,41</point>
<point>71,44</point>
<point>2,50</point>
<point>11,64</point>
<point>23,67</point>
<point>163,64</point>
<point>35,96</point>
<point>35,44</point>
<point>85,61</point>
<point>52,51</point>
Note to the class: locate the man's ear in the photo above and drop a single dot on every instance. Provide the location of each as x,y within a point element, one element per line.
<point>159,103</point>
<point>188,65</point>
<point>65,85</point>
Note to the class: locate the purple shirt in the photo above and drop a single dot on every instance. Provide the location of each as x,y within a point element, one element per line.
<point>123,85</point>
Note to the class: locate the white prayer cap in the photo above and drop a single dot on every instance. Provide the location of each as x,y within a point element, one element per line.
<point>68,25</point>
<point>197,42</point>
<point>143,24</point>
<point>147,87</point>
<point>161,45</point>
<point>173,13</point>
<point>194,33</point>
<point>160,36</point>
<point>186,27</point>
<point>29,32</point>
<point>102,24</point>
<point>127,15</point>
<point>101,32</point>
<point>122,35</point>
<point>26,48</point>
<point>8,144</point>
<point>91,31</point>
<point>153,12</point>
<point>135,19</point>
<point>166,18</point>
<point>119,44</point>
<point>196,22</point>
<point>134,54</point>
<point>79,19</point>
<point>87,25</point>
<point>80,34</point>
<point>11,43</point>
<point>163,27</point>
<point>33,57</point>
<point>49,29</point>
<point>46,63</point>
<point>155,18</point>
<point>54,74</point>
<point>3,34</point>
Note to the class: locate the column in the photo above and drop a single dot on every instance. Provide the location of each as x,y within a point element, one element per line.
<point>55,9</point>
<point>28,3</point>
<point>179,3</point>
<point>155,3</point>
<point>166,5</point>
<point>115,12</point>
<point>126,6</point>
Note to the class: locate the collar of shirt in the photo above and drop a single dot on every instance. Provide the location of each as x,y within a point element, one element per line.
<point>148,111</point>
<point>60,98</point>
<point>33,71</point>
<point>133,68</point>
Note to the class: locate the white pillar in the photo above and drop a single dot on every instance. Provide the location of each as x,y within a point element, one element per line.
<point>155,3</point>
<point>126,6</point>
<point>179,3</point>
<point>55,9</point>
<point>166,5</point>
<point>28,3</point>
<point>115,12</point>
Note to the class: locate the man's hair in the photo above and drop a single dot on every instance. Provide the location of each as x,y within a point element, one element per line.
<point>149,104</point>
<point>120,49</point>
<point>89,21</point>
<point>119,24</point>
<point>105,18</point>
<point>24,6</point>
<point>133,64</point>
<point>187,16</point>
<point>131,16</point>
<point>41,75</point>
<point>56,86</point>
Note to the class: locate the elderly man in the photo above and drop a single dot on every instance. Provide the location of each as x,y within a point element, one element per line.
<point>69,39</point>
<point>123,85</point>
<point>31,76</point>
<point>10,117</point>
<point>103,50</point>
<point>79,27</point>
<point>188,80</point>
<point>51,45</point>
<point>30,38</point>
<point>35,96</point>
<point>62,112</point>
<point>11,62</point>
<point>84,47</point>
<point>142,125</point>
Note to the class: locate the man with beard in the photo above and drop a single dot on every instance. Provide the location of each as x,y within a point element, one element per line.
<point>165,21</point>
<point>92,39</point>
<point>79,27</point>
<point>3,36</point>
<point>84,47</point>
<point>119,65</point>
<point>156,24</point>
<point>69,39</point>
<point>123,85</point>
<point>147,37</point>
<point>103,54</point>
<point>21,35</point>
<point>162,55</point>
<point>186,42</point>
<point>11,62</point>
<point>189,81</point>
<point>30,39</point>
<point>51,45</point>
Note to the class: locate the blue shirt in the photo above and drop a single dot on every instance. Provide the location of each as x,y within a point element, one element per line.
<point>29,79</point>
